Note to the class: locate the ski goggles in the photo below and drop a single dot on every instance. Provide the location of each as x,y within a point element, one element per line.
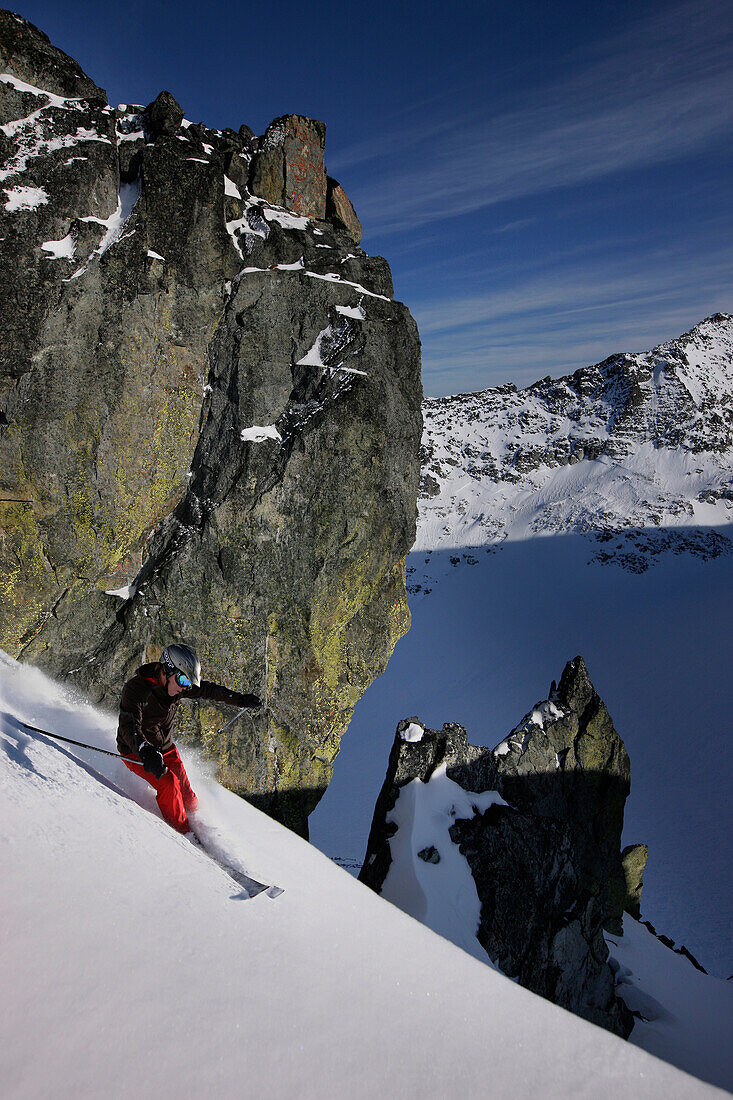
<point>183,680</point>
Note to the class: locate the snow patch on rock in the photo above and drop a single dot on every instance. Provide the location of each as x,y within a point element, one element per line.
<point>60,250</point>
<point>414,732</point>
<point>24,198</point>
<point>258,433</point>
<point>440,894</point>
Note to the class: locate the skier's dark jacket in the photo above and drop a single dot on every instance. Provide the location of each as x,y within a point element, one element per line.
<point>147,711</point>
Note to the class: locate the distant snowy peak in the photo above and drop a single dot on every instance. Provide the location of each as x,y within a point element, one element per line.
<point>635,444</point>
<point>680,394</point>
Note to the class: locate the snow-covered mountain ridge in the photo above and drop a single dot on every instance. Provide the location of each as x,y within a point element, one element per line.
<point>637,447</point>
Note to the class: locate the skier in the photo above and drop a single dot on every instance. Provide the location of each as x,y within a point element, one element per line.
<point>144,734</point>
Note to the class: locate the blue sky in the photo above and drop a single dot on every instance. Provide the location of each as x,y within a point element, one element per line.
<point>550,183</point>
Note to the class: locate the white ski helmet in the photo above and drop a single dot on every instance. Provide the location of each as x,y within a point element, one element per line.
<point>181,658</point>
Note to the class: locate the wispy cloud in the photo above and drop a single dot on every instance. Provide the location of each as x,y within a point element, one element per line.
<point>643,281</point>
<point>655,94</point>
<point>554,323</point>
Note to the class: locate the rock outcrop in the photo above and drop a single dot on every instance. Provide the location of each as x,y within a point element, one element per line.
<point>209,405</point>
<point>340,212</point>
<point>27,53</point>
<point>288,166</point>
<point>544,855</point>
<point>633,862</point>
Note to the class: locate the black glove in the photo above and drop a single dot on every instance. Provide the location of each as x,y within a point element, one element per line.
<point>251,701</point>
<point>151,760</point>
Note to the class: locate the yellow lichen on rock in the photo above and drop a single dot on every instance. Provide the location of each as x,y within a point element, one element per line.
<point>25,577</point>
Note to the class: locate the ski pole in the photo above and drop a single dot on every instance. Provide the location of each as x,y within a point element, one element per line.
<point>80,744</point>
<point>239,714</point>
<point>267,669</point>
<point>246,710</point>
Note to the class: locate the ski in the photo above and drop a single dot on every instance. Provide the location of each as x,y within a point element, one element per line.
<point>250,886</point>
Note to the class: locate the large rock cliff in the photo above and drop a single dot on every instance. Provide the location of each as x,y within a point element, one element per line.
<point>538,821</point>
<point>209,404</point>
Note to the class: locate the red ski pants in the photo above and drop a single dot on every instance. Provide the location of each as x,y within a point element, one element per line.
<point>173,791</point>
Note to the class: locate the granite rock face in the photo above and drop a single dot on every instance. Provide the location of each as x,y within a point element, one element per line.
<point>114,257</point>
<point>547,863</point>
<point>209,404</point>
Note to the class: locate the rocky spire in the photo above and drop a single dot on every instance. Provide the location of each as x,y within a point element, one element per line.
<point>544,852</point>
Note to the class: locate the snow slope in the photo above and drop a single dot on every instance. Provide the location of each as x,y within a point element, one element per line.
<point>131,965</point>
